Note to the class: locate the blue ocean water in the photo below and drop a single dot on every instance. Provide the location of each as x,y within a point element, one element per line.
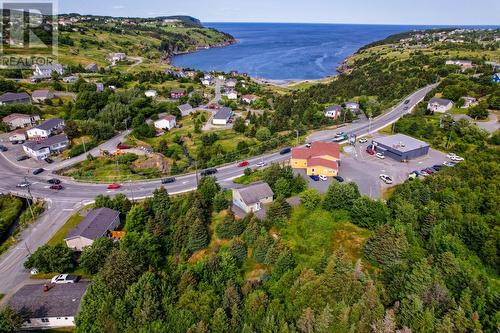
<point>287,51</point>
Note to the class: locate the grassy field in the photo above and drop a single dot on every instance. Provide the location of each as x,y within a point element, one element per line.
<point>61,233</point>
<point>314,234</point>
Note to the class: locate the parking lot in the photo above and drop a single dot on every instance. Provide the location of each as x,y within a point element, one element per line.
<point>14,151</point>
<point>356,165</point>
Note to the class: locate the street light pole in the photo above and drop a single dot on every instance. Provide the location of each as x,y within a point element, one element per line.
<point>30,197</point>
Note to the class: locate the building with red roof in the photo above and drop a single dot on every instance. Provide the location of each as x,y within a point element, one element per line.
<point>322,158</point>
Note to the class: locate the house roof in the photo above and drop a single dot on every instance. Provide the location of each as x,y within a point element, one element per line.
<point>352,105</point>
<point>440,101</point>
<point>95,224</point>
<point>14,116</point>
<point>164,116</point>
<point>50,141</point>
<point>401,142</point>
<point>336,108</point>
<point>223,113</point>
<point>91,66</point>
<point>185,108</point>
<point>50,124</point>
<point>318,148</point>
<point>254,193</point>
<point>62,300</point>
<point>317,161</point>
<point>249,97</point>
<point>41,93</point>
<point>11,97</point>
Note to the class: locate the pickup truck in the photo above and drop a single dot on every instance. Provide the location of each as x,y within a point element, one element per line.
<point>65,278</point>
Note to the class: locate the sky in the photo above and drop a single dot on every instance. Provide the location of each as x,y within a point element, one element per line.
<point>405,12</point>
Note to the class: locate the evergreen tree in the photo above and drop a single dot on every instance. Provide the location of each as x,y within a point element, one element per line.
<point>198,236</point>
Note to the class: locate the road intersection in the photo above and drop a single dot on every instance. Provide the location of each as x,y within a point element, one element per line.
<point>62,204</point>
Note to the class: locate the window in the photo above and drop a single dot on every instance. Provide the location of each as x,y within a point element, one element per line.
<point>45,320</point>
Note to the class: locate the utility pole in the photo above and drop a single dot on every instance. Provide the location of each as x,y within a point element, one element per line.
<point>297,132</point>
<point>196,171</point>
<point>84,148</point>
<point>369,125</point>
<point>30,197</point>
<point>130,188</point>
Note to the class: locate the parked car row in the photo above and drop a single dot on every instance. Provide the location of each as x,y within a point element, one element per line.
<point>426,171</point>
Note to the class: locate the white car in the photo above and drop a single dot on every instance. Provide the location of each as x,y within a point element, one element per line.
<point>449,164</point>
<point>261,164</point>
<point>308,145</point>
<point>363,140</point>
<point>65,278</point>
<point>323,178</point>
<point>451,155</point>
<point>456,158</point>
<point>386,179</point>
<point>34,271</point>
<point>380,155</point>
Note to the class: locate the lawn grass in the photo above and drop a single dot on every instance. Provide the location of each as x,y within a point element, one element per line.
<point>314,234</point>
<point>59,236</point>
<point>251,178</point>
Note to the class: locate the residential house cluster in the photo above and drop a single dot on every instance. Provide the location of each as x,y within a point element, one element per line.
<point>46,139</point>
<point>322,158</point>
<point>334,111</point>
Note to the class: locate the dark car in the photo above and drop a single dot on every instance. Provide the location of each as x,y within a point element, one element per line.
<point>208,172</point>
<point>315,178</point>
<point>285,151</point>
<point>407,101</point>
<point>168,180</point>
<point>56,187</point>
<point>54,181</point>
<point>338,178</point>
<point>3,148</point>
<point>22,158</point>
<point>38,171</point>
<point>48,160</point>
<point>429,171</point>
<point>437,167</point>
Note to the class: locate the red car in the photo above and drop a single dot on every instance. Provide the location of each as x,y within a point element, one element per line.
<point>56,187</point>
<point>114,186</point>
<point>243,164</point>
<point>122,146</point>
<point>370,151</point>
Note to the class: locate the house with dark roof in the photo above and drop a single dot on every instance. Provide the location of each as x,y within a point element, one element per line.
<point>53,306</point>
<point>251,198</point>
<point>46,129</point>
<point>185,109</point>
<point>15,98</point>
<point>41,149</point>
<point>440,105</point>
<point>222,116</point>
<point>20,120</point>
<point>96,224</point>
<point>41,95</point>
<point>322,158</point>
<point>400,147</point>
<point>92,68</point>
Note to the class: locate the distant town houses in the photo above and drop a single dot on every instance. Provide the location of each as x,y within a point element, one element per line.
<point>98,223</point>
<point>469,102</point>
<point>20,120</point>
<point>151,93</point>
<point>440,105</point>
<point>41,149</point>
<point>43,95</point>
<point>185,109</point>
<point>249,99</point>
<point>92,68</point>
<point>322,158</point>
<point>176,94</point>
<point>165,121</point>
<point>463,64</point>
<point>45,71</point>
<point>15,98</point>
<point>333,111</point>
<point>46,129</point>
<point>496,78</point>
<point>207,80</point>
<point>222,116</point>
<point>54,306</point>
<point>231,95</point>
<point>252,198</point>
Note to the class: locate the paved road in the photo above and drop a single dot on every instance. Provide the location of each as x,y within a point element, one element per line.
<point>63,203</point>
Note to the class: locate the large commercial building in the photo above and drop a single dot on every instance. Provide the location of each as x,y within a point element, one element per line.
<point>401,147</point>
<point>322,158</point>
